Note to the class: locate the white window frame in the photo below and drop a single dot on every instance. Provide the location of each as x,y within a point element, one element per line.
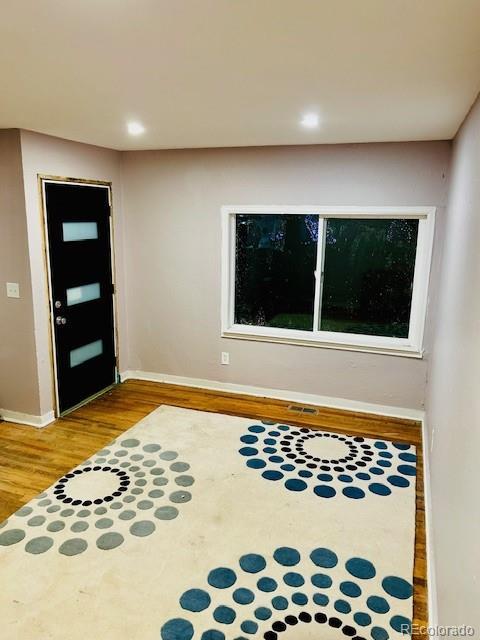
<point>412,346</point>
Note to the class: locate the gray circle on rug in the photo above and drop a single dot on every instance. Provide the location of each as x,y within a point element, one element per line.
<point>79,527</point>
<point>156,493</point>
<point>166,513</point>
<point>12,536</point>
<point>169,455</point>
<point>128,499</point>
<point>39,545</point>
<point>128,514</point>
<point>136,457</point>
<point>56,525</point>
<point>160,482</point>
<point>184,481</point>
<point>44,503</point>
<point>179,466</point>
<point>142,528</point>
<point>152,448</point>
<point>104,523</point>
<point>130,442</point>
<point>109,540</point>
<point>180,496</point>
<point>36,521</point>
<point>145,504</point>
<point>136,491</point>
<point>148,463</point>
<point>99,511</point>
<point>53,508</point>
<point>84,513</point>
<point>66,513</point>
<point>116,505</point>
<point>73,547</point>
<point>121,453</point>
<point>24,511</point>
<point>158,471</point>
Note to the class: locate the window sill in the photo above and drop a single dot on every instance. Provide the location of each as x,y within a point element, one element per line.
<point>325,340</point>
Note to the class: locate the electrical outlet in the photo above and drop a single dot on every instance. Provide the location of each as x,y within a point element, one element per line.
<point>225,357</point>
<point>13,290</point>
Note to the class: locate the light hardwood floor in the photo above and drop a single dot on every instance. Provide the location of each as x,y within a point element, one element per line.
<point>32,459</point>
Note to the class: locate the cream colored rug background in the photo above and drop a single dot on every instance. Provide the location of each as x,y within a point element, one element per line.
<point>129,592</point>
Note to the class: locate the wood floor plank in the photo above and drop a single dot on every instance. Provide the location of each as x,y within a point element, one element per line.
<point>32,459</point>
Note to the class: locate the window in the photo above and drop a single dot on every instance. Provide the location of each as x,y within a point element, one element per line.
<point>336,277</point>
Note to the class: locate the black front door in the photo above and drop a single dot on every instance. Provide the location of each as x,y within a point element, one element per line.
<point>78,224</point>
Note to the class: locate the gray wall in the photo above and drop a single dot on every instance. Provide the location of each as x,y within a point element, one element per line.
<point>18,376</point>
<point>52,156</point>
<point>173,199</point>
<point>453,394</point>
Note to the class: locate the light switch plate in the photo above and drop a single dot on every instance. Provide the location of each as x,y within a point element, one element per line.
<point>13,290</point>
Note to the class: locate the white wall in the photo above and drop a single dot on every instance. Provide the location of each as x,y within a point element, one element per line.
<point>453,394</point>
<point>52,156</point>
<point>173,200</point>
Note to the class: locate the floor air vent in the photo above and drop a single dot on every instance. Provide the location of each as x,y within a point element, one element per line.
<point>296,408</point>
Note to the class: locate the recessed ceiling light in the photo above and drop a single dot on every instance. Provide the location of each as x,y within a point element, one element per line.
<point>310,121</point>
<point>135,128</point>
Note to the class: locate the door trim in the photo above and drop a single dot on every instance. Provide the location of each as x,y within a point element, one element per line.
<point>43,179</point>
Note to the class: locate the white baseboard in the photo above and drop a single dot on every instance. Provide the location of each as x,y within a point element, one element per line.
<point>27,418</point>
<point>278,394</point>
<point>431,579</point>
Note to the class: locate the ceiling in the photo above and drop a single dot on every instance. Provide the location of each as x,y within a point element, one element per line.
<point>213,73</point>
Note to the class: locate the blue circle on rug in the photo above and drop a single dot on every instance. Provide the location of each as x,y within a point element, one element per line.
<point>401,624</point>
<point>212,634</point>
<point>296,485</point>
<point>397,587</point>
<point>287,556</point>
<point>398,481</point>
<point>379,489</point>
<point>342,606</point>
<point>243,596</point>
<point>293,579</point>
<point>324,491</point>
<point>249,626</point>
<point>267,584</point>
<point>300,599</point>
<point>221,578</point>
<point>321,599</point>
<point>256,463</point>
<point>378,604</point>
<point>324,558</point>
<point>378,633</point>
<point>262,613</point>
<point>350,589</point>
<point>252,563</point>
<point>272,475</point>
<point>177,629</point>
<point>407,470</point>
<point>363,619</point>
<point>321,580</point>
<point>224,615</point>
<point>280,603</point>
<point>195,600</point>
<point>360,568</point>
<point>353,492</point>
<point>248,451</point>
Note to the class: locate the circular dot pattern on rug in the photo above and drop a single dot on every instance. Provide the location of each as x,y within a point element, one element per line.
<point>230,608</point>
<point>112,498</point>
<point>328,464</point>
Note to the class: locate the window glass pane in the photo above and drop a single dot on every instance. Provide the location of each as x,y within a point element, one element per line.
<point>73,231</point>
<point>368,276</point>
<point>85,293</point>
<point>87,352</point>
<point>275,261</point>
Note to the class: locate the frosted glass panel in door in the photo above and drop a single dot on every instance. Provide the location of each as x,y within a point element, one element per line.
<point>87,352</point>
<point>85,293</point>
<point>74,231</point>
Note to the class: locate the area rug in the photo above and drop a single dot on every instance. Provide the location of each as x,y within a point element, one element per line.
<point>212,527</point>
